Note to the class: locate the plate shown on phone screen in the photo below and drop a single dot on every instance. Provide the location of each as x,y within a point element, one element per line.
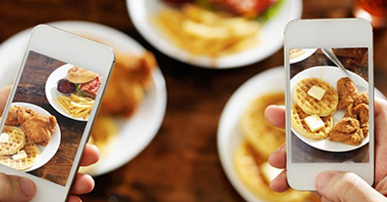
<point>330,75</point>
<point>48,151</point>
<point>52,93</point>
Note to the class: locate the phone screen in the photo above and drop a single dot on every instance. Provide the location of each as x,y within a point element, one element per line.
<point>329,106</point>
<point>47,118</point>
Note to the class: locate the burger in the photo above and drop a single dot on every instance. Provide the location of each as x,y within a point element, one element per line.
<point>81,81</point>
<point>246,8</point>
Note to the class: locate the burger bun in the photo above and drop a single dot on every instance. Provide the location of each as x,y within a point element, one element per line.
<point>79,75</point>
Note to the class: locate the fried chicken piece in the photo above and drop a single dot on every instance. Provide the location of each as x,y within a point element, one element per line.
<point>137,69</point>
<point>350,112</point>
<point>359,110</point>
<point>347,131</point>
<point>361,98</point>
<point>39,129</point>
<point>347,92</point>
<point>131,76</point>
<point>12,118</point>
<point>24,114</point>
<point>362,113</point>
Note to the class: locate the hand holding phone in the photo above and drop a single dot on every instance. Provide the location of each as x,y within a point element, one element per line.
<point>329,101</point>
<point>17,188</point>
<point>329,182</point>
<point>50,111</point>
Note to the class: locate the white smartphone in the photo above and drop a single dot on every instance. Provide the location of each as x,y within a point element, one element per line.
<point>329,99</point>
<point>51,109</point>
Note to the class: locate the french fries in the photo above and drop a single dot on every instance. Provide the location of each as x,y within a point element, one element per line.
<point>203,32</point>
<point>296,52</point>
<point>76,105</point>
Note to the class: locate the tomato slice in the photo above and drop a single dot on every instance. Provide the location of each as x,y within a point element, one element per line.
<point>246,8</point>
<point>177,1</point>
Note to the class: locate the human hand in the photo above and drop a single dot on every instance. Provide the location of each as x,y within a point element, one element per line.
<point>333,185</point>
<point>4,92</point>
<point>19,189</point>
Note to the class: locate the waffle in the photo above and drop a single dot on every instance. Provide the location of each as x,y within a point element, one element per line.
<point>298,123</point>
<point>324,107</point>
<point>17,140</point>
<point>258,132</point>
<point>33,153</point>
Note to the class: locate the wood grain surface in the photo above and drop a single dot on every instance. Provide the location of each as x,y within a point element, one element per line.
<point>181,164</point>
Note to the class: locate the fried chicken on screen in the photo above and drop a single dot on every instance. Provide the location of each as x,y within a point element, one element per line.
<point>347,92</point>
<point>39,129</point>
<point>347,131</point>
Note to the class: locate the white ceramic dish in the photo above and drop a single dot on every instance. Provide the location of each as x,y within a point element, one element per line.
<point>229,136</point>
<point>134,133</point>
<point>308,53</point>
<point>47,152</point>
<point>271,35</point>
<point>330,75</point>
<point>52,93</point>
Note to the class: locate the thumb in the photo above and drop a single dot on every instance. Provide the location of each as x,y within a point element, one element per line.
<point>16,189</point>
<point>345,187</point>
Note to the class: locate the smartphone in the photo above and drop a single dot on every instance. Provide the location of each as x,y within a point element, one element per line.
<point>51,109</point>
<point>329,99</point>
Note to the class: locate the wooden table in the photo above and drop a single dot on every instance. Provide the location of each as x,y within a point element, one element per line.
<point>182,162</point>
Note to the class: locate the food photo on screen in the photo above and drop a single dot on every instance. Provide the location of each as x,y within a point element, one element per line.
<point>47,117</point>
<point>330,108</point>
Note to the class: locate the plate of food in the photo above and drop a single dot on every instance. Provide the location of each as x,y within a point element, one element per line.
<point>330,108</point>
<point>134,103</point>
<point>300,54</point>
<point>71,91</point>
<point>213,33</point>
<point>30,138</point>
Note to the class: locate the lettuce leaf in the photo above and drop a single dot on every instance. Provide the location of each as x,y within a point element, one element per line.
<point>270,12</point>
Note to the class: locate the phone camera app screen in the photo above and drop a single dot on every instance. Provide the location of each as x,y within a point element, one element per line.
<point>47,117</point>
<point>329,105</point>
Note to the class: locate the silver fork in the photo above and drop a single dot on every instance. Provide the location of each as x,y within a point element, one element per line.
<point>331,55</point>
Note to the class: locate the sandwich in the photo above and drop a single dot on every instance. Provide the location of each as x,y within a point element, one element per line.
<point>87,83</point>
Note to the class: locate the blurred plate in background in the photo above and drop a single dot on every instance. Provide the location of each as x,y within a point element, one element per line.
<point>270,36</point>
<point>134,133</point>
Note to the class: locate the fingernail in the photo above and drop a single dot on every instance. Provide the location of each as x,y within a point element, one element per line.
<point>27,187</point>
<point>322,179</point>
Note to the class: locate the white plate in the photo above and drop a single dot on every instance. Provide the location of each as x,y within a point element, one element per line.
<point>330,75</point>
<point>134,133</point>
<point>47,152</point>
<point>308,53</point>
<point>52,92</point>
<point>229,135</point>
<point>271,35</point>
